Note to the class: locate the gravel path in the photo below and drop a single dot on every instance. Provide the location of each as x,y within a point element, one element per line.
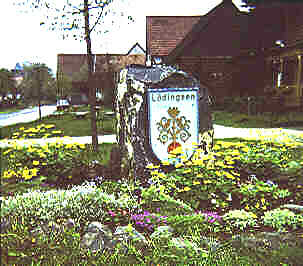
<point>220,132</point>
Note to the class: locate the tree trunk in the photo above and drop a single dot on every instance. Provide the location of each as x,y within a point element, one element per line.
<point>91,87</point>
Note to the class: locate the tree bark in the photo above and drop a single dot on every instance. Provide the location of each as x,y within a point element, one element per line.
<point>91,87</point>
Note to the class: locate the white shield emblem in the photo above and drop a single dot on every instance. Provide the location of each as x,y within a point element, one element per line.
<point>173,121</point>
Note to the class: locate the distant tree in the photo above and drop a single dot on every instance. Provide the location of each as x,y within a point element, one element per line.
<point>37,83</point>
<point>7,83</point>
<point>70,16</point>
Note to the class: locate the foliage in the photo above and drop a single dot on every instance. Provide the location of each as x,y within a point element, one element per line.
<point>68,16</point>
<point>6,83</point>
<point>282,219</point>
<point>237,187</point>
<point>240,219</point>
<point>37,82</point>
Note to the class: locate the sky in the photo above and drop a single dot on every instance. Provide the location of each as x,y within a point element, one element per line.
<point>23,39</point>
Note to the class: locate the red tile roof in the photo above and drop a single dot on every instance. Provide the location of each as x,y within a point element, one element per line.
<point>164,33</point>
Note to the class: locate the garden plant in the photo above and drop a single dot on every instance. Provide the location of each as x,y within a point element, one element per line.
<point>241,187</point>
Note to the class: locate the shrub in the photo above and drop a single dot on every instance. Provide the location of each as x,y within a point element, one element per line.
<point>282,219</point>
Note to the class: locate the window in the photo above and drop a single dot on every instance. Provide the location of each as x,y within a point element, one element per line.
<point>289,71</point>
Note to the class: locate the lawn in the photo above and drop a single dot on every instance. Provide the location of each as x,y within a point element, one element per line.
<point>240,188</point>
<point>10,110</point>
<point>64,124</point>
<point>242,120</point>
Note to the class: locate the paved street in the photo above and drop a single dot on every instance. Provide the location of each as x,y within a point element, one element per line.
<point>26,115</point>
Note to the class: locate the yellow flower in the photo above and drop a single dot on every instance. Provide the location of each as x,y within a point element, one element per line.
<point>165,163</point>
<point>187,188</point>
<point>178,165</point>
<point>7,151</point>
<point>246,207</point>
<point>34,171</point>
<point>228,175</point>
<point>8,174</point>
<point>263,201</point>
<point>36,162</point>
<point>178,150</point>
<point>49,126</point>
<point>161,175</point>
<point>253,215</point>
<point>196,183</point>
<point>219,163</point>
<point>56,131</point>
<point>155,172</point>
<point>257,205</point>
<point>217,147</point>
<point>207,181</point>
<point>33,240</point>
<point>218,173</point>
<point>198,162</point>
<point>186,171</point>
<point>245,149</point>
<point>21,128</point>
<point>151,166</point>
<point>70,177</point>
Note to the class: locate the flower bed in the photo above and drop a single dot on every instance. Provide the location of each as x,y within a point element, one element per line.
<point>240,188</point>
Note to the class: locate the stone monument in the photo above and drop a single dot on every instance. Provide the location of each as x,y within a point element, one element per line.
<point>158,109</point>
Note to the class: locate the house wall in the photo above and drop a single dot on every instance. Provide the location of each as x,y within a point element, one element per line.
<point>214,72</point>
<point>293,24</point>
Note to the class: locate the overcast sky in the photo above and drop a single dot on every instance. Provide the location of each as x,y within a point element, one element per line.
<point>23,39</point>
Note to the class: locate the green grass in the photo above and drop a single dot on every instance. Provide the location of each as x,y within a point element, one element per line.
<point>67,123</point>
<point>10,110</point>
<point>232,119</point>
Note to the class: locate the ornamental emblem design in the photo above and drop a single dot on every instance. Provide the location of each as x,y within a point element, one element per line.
<point>173,128</point>
<point>173,117</point>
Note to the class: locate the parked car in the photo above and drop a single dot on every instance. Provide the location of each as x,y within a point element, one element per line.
<point>62,104</point>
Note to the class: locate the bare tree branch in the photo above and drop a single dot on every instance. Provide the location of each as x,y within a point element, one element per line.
<point>100,15</point>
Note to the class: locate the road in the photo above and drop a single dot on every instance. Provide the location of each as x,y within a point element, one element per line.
<point>26,115</point>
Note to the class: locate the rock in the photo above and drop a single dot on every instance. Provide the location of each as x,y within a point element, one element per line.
<point>125,234</point>
<point>182,244</point>
<point>4,225</point>
<point>266,240</point>
<point>133,121</point>
<point>210,243</point>
<point>99,237</point>
<point>96,237</point>
<point>293,207</point>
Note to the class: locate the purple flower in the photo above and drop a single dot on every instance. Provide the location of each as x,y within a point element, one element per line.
<point>111,213</point>
<point>148,220</point>
<point>158,209</point>
<point>213,215</point>
<point>150,227</point>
